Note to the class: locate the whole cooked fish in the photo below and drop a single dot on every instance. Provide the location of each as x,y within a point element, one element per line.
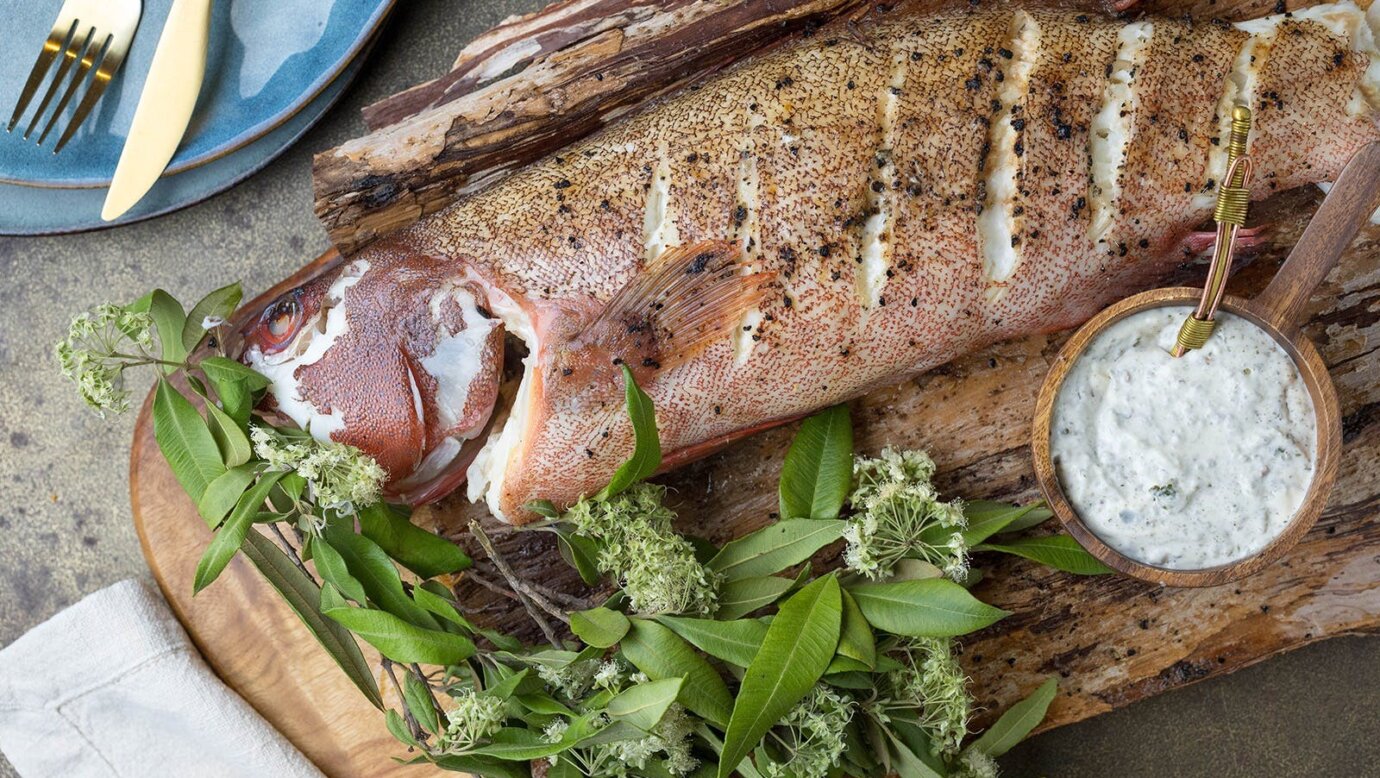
<point>817,222</point>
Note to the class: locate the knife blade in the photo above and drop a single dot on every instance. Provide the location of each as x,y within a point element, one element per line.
<point>165,105</point>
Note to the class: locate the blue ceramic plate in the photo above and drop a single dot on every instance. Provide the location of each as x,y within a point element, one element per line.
<point>27,210</point>
<point>267,60</point>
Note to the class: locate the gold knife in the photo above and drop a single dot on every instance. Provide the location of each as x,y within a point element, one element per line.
<point>165,106</point>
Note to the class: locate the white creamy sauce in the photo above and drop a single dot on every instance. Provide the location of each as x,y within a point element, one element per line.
<point>1184,463</point>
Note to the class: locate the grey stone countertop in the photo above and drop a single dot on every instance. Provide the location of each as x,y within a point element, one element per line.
<point>65,527</point>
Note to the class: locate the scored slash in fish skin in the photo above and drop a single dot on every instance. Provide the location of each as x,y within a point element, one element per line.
<point>911,188</point>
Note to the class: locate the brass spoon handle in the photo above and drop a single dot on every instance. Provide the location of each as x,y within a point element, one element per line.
<point>1233,202</point>
<point>1348,205</point>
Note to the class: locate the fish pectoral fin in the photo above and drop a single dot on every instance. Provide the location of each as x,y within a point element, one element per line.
<point>677,306</point>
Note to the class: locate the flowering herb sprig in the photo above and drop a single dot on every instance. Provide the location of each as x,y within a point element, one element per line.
<point>738,659</point>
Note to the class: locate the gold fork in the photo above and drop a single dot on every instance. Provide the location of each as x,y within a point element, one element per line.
<point>89,38</point>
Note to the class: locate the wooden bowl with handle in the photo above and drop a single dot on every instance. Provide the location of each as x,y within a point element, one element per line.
<point>1279,311</point>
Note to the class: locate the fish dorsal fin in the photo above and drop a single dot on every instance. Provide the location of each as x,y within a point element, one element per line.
<point>676,306</point>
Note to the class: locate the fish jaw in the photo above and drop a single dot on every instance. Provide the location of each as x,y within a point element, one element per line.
<point>412,330</point>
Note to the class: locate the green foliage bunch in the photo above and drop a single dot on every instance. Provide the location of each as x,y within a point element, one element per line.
<point>707,660</point>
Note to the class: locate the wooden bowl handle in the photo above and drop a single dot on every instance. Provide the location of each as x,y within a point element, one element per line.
<point>1344,211</point>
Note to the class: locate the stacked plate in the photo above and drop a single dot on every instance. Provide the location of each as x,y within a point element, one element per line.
<point>273,69</point>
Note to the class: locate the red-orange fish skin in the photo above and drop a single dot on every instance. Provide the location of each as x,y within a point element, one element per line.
<point>854,168</point>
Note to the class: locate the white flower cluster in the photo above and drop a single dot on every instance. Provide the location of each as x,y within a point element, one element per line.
<point>655,566</point>
<point>975,764</point>
<point>670,742</point>
<point>571,680</point>
<point>816,728</point>
<point>473,718</point>
<point>339,477</point>
<point>898,515</point>
<point>91,355</point>
<point>932,685</point>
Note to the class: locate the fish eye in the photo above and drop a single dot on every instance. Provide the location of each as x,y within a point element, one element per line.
<point>281,321</point>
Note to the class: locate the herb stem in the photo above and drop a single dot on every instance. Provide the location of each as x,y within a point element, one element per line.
<point>291,551</point>
<point>526,597</point>
<point>412,725</point>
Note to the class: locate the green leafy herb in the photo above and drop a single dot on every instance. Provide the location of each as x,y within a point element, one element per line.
<point>170,319</point>
<point>818,470</point>
<point>795,652</point>
<point>1017,722</point>
<point>420,551</point>
<point>658,652</point>
<point>644,705</point>
<point>394,638</point>
<point>231,536</point>
<point>735,642</point>
<point>1060,552</point>
<point>646,457</point>
<point>599,627</point>
<point>775,548</point>
<point>739,597</point>
<point>185,441</point>
<point>216,306</point>
<point>934,607</point>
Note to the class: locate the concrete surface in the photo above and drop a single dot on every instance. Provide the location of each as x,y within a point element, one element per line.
<point>64,506</point>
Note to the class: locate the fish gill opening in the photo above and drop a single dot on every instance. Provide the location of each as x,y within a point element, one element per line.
<point>1238,89</point>
<point>1112,125</point>
<point>874,252</point>
<point>998,227</point>
<point>746,233</point>
<point>658,223</point>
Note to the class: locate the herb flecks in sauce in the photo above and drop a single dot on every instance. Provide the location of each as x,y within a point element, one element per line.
<point>1184,463</point>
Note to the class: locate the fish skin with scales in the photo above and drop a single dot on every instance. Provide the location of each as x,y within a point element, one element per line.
<point>835,215</point>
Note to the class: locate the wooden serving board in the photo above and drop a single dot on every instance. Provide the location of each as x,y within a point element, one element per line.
<point>1110,640</point>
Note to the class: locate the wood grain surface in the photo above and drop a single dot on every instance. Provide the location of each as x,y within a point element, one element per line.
<point>1110,640</point>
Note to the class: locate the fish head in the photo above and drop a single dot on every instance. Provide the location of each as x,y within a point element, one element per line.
<point>391,352</point>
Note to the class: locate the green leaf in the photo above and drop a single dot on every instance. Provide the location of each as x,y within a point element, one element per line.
<point>643,705</point>
<point>740,597</point>
<point>1017,722</point>
<point>303,596</point>
<point>220,303</point>
<point>235,385</point>
<point>580,553</point>
<point>485,766</point>
<point>646,456</point>
<point>1060,552</point>
<point>987,518</point>
<point>226,542</point>
<point>795,652</point>
<point>856,641</point>
<point>439,606</point>
<point>658,652</point>
<point>735,642</point>
<point>424,553</point>
<point>1039,514</point>
<point>599,627</point>
<point>223,493</point>
<point>331,565</point>
<point>398,727</point>
<point>906,763</point>
<point>931,607</point>
<point>230,438</point>
<point>745,768</point>
<point>775,547</point>
<point>818,471</point>
<point>394,638</point>
<point>169,318</point>
<point>368,563</point>
<point>543,508</point>
<point>185,441</point>
<point>418,699</point>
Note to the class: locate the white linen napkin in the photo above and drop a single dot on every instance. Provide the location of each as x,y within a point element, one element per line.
<point>112,686</point>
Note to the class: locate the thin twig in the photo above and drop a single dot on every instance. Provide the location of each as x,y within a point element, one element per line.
<point>521,585</point>
<point>290,550</point>
<point>493,586</point>
<point>440,713</point>
<point>532,610</point>
<point>568,600</point>
<point>412,725</point>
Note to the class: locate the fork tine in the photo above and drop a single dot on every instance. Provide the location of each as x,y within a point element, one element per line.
<point>46,55</point>
<point>90,60</point>
<point>80,69</point>
<point>69,55</point>
<point>109,63</point>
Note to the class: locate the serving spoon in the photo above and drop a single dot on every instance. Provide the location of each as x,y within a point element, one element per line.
<point>1279,311</point>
